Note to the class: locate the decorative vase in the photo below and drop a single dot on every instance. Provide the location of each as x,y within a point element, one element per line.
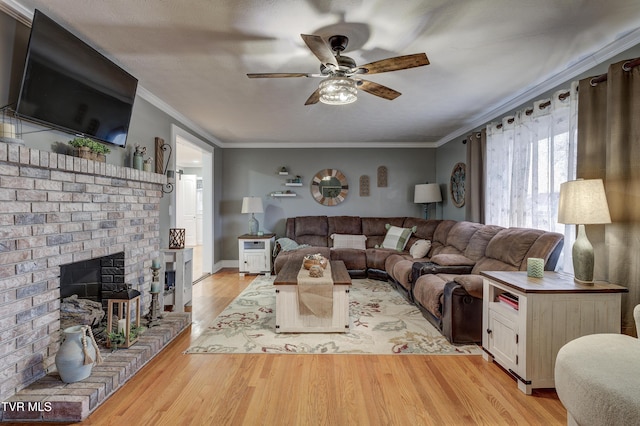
<point>75,358</point>
<point>137,161</point>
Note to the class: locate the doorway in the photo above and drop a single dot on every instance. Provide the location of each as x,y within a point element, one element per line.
<point>194,198</point>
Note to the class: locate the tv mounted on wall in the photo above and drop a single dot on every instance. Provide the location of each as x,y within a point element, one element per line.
<point>70,86</point>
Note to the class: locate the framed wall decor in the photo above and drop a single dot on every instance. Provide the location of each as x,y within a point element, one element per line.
<point>382,177</point>
<point>456,184</point>
<point>364,186</point>
<point>329,187</point>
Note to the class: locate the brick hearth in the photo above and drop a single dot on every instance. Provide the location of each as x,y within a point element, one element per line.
<point>51,400</point>
<point>54,210</point>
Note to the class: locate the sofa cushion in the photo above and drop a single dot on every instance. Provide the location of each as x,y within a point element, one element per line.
<point>511,245</point>
<point>393,259</point>
<point>354,259</point>
<point>478,243</point>
<point>419,249</point>
<point>446,259</point>
<point>376,257</point>
<point>349,241</point>
<point>344,225</point>
<point>396,237</point>
<point>402,273</point>
<point>312,230</point>
<point>439,240</point>
<point>461,233</point>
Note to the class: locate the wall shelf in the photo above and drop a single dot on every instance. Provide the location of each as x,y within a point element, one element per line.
<point>291,182</point>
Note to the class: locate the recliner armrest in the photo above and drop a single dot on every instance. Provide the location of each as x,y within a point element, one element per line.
<point>461,314</point>
<point>423,268</point>
<point>471,283</point>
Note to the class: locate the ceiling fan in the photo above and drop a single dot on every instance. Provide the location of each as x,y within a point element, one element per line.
<point>342,75</point>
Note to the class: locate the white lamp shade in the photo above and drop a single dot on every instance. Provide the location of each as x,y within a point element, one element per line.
<point>583,202</point>
<point>427,193</point>
<point>252,205</point>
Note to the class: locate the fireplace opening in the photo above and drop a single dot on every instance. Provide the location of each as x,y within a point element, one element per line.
<point>93,279</point>
<point>85,287</point>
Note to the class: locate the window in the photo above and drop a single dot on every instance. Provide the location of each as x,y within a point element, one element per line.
<point>528,156</point>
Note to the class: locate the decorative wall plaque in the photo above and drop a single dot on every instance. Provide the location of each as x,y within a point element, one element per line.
<point>458,176</point>
<point>364,186</point>
<point>159,155</point>
<point>382,177</point>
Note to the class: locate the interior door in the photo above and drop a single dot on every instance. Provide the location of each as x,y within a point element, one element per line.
<point>186,208</point>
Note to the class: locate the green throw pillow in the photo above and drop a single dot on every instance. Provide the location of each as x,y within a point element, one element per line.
<point>397,237</point>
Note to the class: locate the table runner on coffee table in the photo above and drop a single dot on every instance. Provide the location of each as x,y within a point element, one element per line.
<point>315,294</point>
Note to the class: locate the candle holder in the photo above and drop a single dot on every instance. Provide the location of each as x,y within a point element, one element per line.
<point>154,311</point>
<point>535,267</point>
<point>122,308</point>
<point>10,127</point>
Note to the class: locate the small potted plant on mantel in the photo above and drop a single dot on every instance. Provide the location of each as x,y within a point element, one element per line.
<point>90,149</point>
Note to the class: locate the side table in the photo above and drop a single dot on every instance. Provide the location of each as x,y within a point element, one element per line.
<point>254,253</point>
<point>527,320</point>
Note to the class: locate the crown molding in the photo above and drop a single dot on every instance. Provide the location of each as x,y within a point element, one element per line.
<point>325,144</point>
<point>17,11</point>
<point>625,42</point>
<point>178,116</point>
<point>614,48</point>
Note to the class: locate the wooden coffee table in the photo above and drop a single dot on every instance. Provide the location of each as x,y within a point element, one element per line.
<point>288,318</point>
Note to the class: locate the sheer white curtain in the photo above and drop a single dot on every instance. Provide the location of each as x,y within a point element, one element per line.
<point>529,155</point>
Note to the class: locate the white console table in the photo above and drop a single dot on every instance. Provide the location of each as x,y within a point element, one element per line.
<point>180,261</point>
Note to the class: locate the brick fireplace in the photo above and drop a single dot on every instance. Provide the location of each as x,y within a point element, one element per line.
<point>56,210</point>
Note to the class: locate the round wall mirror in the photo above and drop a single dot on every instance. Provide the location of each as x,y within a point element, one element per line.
<point>329,187</point>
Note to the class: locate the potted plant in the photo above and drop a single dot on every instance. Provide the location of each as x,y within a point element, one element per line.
<point>118,338</point>
<point>90,149</point>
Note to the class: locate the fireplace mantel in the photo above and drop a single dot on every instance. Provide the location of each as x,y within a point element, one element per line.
<point>57,209</point>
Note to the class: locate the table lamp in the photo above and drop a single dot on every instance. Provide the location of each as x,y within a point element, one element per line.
<point>426,193</point>
<point>252,205</point>
<point>583,202</point>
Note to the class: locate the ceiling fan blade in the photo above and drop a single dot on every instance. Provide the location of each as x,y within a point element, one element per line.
<point>314,98</point>
<point>378,89</point>
<point>319,48</point>
<point>395,64</point>
<point>276,75</point>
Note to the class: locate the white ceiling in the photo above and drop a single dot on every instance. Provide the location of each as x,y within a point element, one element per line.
<point>487,56</point>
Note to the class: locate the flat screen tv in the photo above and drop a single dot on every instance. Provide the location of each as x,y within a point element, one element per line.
<point>68,85</point>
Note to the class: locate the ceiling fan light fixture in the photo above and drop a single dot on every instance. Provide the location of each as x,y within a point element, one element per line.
<point>338,90</point>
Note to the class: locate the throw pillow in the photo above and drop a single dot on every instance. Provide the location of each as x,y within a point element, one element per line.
<point>397,237</point>
<point>349,241</point>
<point>420,248</point>
<point>452,260</point>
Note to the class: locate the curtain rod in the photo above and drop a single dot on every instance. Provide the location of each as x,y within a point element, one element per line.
<point>627,66</point>
<point>562,96</point>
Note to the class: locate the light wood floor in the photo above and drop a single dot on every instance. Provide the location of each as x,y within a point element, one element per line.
<point>277,389</point>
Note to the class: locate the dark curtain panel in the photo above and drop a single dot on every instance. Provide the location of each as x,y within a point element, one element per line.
<point>609,148</point>
<point>474,182</point>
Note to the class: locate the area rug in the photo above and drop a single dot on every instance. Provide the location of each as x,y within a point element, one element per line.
<point>382,322</point>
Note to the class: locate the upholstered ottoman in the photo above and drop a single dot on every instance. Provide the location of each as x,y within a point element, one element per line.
<point>597,378</point>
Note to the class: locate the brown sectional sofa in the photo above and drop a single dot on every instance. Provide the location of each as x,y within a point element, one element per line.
<point>445,284</point>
